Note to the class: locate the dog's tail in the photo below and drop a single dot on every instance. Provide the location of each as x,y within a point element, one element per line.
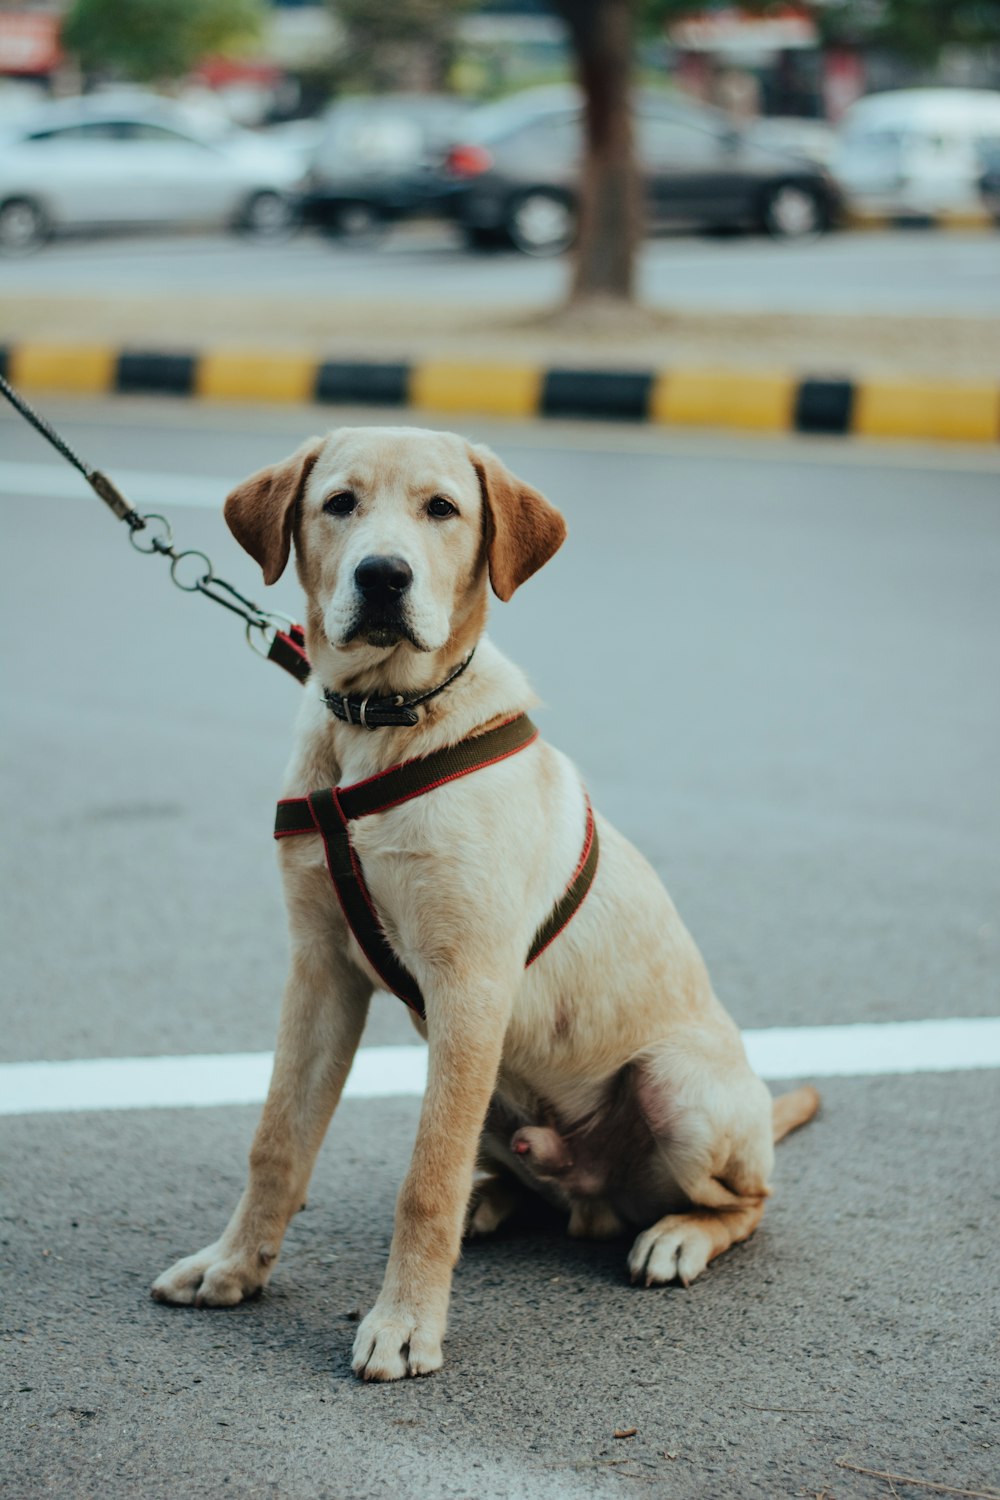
<point>789,1111</point>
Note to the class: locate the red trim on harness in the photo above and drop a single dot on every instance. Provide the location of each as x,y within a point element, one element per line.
<point>444,780</point>
<point>513,734</point>
<point>588,844</point>
<point>356,786</point>
<point>364,891</point>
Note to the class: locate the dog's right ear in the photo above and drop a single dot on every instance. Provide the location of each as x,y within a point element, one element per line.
<point>260,511</point>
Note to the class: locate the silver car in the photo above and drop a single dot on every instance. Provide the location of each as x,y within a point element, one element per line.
<point>137,161</point>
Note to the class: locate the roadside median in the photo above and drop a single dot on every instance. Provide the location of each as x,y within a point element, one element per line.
<point>744,398</point>
<point>933,376</point>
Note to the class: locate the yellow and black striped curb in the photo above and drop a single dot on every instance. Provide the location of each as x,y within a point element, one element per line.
<point>956,219</point>
<point>909,407</point>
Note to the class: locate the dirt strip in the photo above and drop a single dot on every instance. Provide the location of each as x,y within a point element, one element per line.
<point>952,348</point>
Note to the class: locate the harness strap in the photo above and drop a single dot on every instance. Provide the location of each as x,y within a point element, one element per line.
<point>330,811</point>
<point>288,649</point>
<point>355,899</point>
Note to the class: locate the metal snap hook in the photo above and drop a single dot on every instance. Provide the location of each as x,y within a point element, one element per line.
<point>266,635</point>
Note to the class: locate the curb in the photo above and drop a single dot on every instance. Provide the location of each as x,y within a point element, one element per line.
<point>905,407</point>
<point>957,219</point>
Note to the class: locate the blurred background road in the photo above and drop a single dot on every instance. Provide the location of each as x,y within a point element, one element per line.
<point>812,630</point>
<point>880,272</point>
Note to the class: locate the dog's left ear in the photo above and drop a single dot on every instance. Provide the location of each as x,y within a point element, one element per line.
<point>259,512</point>
<point>522,529</point>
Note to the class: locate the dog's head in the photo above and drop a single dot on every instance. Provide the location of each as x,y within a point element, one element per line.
<point>395,533</point>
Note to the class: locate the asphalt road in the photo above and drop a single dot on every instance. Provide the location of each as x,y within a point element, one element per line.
<point>776,663</point>
<point>916,272</point>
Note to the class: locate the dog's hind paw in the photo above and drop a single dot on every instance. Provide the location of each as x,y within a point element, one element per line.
<point>675,1249</point>
<point>493,1201</point>
<point>391,1345</point>
<point>214,1277</point>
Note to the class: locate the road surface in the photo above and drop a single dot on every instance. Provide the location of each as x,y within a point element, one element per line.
<point>900,272</point>
<point>776,663</point>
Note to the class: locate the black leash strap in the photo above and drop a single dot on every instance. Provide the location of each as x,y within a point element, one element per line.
<point>273,636</point>
<point>99,483</point>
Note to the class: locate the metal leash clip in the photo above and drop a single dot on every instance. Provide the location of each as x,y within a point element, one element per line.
<point>283,640</point>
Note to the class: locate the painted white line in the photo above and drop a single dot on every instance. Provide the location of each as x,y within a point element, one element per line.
<point>145,488</point>
<point>188,1082</point>
<point>866,1049</point>
<point>383,1072</point>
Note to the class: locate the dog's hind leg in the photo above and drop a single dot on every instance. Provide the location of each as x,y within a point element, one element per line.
<point>713,1127</point>
<point>494,1199</point>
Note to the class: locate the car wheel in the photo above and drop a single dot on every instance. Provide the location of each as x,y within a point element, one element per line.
<point>359,224</point>
<point>23,226</point>
<point>791,211</point>
<point>542,223</point>
<point>268,216</point>
<point>477,238</point>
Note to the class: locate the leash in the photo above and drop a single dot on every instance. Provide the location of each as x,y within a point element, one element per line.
<point>330,811</point>
<point>270,634</point>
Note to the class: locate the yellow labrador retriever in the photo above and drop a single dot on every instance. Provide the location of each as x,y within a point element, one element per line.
<point>605,1075</point>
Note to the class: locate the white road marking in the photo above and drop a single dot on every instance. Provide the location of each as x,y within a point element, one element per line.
<point>779,1052</point>
<point>145,488</point>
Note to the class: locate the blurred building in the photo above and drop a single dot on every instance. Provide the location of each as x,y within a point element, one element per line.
<point>772,62</point>
<point>30,54</point>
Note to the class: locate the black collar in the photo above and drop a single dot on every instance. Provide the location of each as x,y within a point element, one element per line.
<point>382,713</point>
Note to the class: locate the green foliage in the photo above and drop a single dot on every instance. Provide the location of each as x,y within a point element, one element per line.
<point>156,40</point>
<point>386,39</point>
<point>916,29</point>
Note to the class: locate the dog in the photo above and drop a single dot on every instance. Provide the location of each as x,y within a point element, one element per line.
<point>605,1076</point>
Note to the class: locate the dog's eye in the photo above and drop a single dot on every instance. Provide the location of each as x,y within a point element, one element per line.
<point>340,505</point>
<point>440,507</point>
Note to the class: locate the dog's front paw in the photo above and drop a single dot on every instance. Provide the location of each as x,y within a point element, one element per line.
<point>675,1249</point>
<point>215,1277</point>
<point>392,1343</point>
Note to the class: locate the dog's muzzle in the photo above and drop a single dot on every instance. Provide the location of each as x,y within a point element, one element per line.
<point>382,584</point>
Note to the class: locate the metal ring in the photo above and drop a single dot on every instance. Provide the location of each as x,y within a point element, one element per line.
<point>166,540</point>
<point>362,713</point>
<point>191,588</point>
<point>253,625</point>
<point>275,614</point>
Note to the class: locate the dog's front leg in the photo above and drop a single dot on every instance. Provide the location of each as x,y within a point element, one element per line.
<point>402,1334</point>
<point>322,1017</point>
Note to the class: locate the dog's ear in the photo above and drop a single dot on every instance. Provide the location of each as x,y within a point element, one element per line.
<point>259,512</point>
<point>522,529</point>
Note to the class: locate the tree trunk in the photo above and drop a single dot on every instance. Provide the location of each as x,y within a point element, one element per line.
<point>602,37</point>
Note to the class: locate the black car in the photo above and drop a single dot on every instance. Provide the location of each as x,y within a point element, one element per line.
<point>374,162</point>
<point>514,173</point>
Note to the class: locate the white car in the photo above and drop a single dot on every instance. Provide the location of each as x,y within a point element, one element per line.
<point>918,152</point>
<point>100,162</point>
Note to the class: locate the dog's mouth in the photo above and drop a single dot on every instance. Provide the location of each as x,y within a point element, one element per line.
<point>381,628</point>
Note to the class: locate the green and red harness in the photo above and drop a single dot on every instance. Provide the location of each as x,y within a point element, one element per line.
<point>330,813</point>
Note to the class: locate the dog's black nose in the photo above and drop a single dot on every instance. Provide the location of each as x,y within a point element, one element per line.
<point>383,579</point>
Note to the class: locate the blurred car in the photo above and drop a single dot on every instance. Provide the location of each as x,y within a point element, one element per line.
<point>917,152</point>
<point>514,173</point>
<point>989,178</point>
<point>135,160</point>
<point>374,162</point>
<point>813,139</point>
